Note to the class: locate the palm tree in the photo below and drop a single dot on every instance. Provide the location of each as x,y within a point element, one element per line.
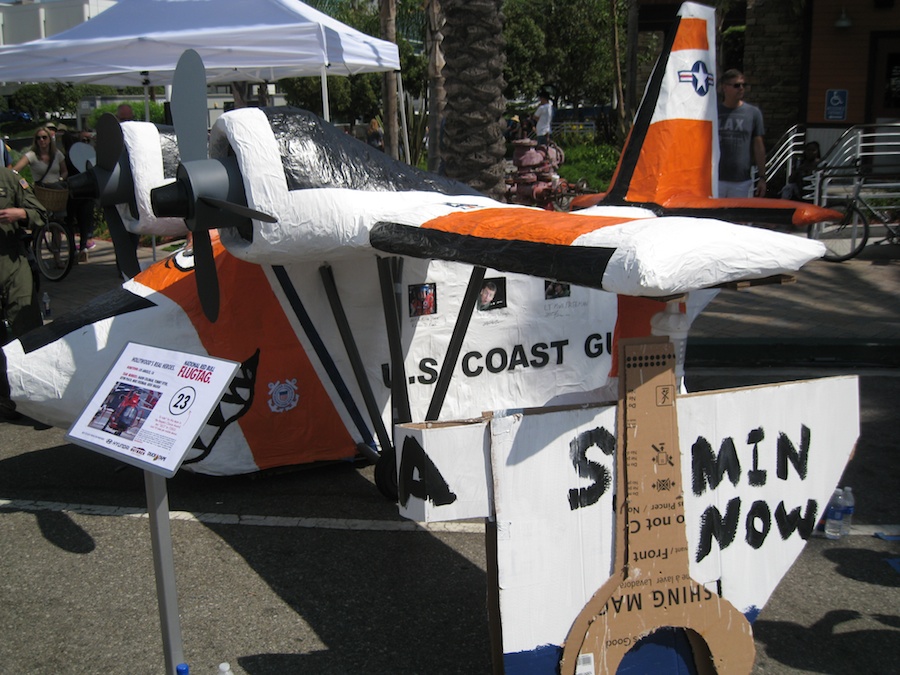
<point>434,27</point>
<point>473,145</point>
<point>389,85</point>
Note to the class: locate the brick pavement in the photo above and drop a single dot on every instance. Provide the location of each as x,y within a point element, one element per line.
<point>91,278</point>
<point>854,300</point>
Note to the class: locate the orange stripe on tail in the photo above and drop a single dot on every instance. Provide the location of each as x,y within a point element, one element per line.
<point>674,159</point>
<point>691,35</point>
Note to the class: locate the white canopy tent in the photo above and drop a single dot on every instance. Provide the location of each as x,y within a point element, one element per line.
<point>138,42</point>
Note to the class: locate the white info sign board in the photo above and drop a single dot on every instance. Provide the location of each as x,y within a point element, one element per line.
<point>151,406</point>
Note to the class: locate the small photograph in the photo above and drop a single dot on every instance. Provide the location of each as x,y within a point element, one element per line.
<point>422,299</point>
<point>492,295</point>
<point>124,410</point>
<point>556,289</point>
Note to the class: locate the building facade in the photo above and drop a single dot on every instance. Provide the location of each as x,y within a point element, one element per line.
<point>26,20</point>
<point>825,65</point>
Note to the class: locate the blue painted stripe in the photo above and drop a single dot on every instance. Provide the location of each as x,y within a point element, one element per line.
<point>541,661</point>
<point>664,651</point>
<point>324,356</point>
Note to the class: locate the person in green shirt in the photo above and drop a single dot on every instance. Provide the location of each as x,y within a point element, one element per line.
<point>19,208</point>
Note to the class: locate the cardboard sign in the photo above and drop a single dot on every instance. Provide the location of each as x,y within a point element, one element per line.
<point>553,476</point>
<point>652,558</point>
<point>424,491</point>
<point>151,406</point>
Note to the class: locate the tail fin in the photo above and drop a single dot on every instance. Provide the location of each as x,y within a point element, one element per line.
<point>673,147</point>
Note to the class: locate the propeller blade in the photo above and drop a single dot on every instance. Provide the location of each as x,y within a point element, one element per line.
<point>123,242</point>
<point>82,156</point>
<point>84,185</point>
<point>205,273</point>
<point>239,209</point>
<point>189,106</point>
<point>110,141</point>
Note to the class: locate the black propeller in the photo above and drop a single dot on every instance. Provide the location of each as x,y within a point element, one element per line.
<point>207,193</point>
<point>111,183</point>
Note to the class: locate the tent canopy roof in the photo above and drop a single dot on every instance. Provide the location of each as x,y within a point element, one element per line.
<point>138,42</point>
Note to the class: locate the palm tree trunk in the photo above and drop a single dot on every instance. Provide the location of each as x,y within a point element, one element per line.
<point>436,98</point>
<point>389,84</point>
<point>474,145</point>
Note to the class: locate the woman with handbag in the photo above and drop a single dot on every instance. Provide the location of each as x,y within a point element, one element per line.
<point>48,170</point>
<point>48,165</point>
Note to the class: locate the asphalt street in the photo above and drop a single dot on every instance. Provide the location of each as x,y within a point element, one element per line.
<point>313,571</point>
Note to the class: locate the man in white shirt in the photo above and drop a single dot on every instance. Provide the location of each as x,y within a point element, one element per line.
<point>543,116</point>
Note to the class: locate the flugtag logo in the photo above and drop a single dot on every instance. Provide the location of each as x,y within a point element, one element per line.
<point>699,77</point>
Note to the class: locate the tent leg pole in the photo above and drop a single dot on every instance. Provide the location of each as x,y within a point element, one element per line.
<point>326,111</point>
<point>403,116</point>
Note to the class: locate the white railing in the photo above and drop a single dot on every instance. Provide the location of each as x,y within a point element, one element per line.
<point>867,156</point>
<point>786,153</point>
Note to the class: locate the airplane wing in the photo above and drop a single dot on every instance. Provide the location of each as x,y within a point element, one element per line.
<point>652,257</point>
<point>629,253</point>
<point>670,160</point>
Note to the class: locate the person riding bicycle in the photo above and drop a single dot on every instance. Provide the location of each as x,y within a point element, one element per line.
<point>19,208</point>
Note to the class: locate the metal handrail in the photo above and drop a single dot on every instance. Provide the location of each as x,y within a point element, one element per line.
<point>865,154</point>
<point>786,152</point>
<point>867,146</point>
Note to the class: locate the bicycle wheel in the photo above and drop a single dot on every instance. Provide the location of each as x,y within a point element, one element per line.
<point>845,239</point>
<point>54,249</point>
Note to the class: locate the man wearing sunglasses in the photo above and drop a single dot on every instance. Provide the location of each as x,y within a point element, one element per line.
<point>741,143</point>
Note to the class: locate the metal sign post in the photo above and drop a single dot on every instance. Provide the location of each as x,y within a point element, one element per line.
<point>164,568</point>
<point>147,412</point>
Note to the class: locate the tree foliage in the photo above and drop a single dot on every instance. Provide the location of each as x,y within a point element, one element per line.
<point>349,98</point>
<point>561,46</point>
<point>54,98</point>
<point>359,96</point>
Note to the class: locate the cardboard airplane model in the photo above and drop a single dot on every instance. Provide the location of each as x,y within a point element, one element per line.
<point>359,293</point>
<point>327,320</point>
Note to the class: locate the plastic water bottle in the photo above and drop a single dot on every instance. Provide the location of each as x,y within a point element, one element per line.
<point>834,517</point>
<point>225,669</point>
<point>849,505</point>
<point>182,669</point>
<point>46,304</point>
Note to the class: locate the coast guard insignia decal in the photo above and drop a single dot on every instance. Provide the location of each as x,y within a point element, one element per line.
<point>283,395</point>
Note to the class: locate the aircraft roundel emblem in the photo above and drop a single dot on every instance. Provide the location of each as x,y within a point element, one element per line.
<point>699,77</point>
<point>283,395</point>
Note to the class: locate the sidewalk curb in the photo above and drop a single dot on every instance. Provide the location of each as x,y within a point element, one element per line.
<point>711,352</point>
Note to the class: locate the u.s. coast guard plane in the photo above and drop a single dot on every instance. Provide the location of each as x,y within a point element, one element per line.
<point>357,291</point>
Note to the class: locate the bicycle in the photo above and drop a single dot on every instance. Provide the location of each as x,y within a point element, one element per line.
<point>53,243</point>
<point>846,239</point>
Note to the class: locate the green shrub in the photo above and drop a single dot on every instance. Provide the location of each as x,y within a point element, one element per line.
<point>590,162</point>
<point>157,112</point>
